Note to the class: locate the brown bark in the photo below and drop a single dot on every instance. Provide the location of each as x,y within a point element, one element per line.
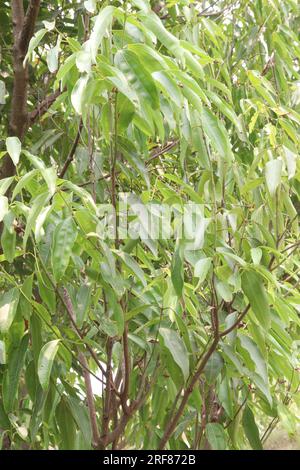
<point>23,29</point>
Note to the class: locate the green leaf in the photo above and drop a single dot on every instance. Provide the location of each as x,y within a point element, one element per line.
<point>45,362</point>
<point>155,25</point>
<point>133,266</point>
<point>66,425</point>
<point>13,146</point>
<point>25,297</point>
<point>256,255</point>
<point>8,309</point>
<point>4,421</point>
<point>64,237</point>
<point>224,291</point>
<point>168,85</point>
<point>34,42</point>
<point>213,367</point>
<point>35,210</point>
<point>262,86</point>
<point>174,343</point>
<point>12,376</point>
<point>138,77</point>
<point>251,429</point>
<point>2,92</point>
<point>257,358</point>
<point>81,416</point>
<point>216,133</point>
<point>49,175</point>
<point>2,352</point>
<point>77,96</point>
<point>226,397</point>
<point>22,183</point>
<point>116,312</point>
<point>83,299</point>
<point>177,272</point>
<point>102,22</point>
<point>226,109</point>
<point>46,291</point>
<point>3,207</point>
<point>253,288</point>
<point>52,59</point>
<point>273,175</point>
<point>216,436</point>
<point>5,184</point>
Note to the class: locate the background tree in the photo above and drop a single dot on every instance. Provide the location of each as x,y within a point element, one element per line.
<point>142,343</point>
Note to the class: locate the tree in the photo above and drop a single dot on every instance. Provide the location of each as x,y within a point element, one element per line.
<point>113,114</point>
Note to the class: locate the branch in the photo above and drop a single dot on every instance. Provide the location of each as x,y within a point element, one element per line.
<point>236,323</point>
<point>154,154</point>
<point>90,399</point>
<point>17,17</point>
<point>125,391</point>
<point>43,106</point>
<point>86,376</point>
<point>115,434</point>
<point>28,25</point>
<point>23,28</point>
<point>72,151</point>
<point>173,423</point>
<point>162,150</point>
<point>108,395</point>
<point>80,335</point>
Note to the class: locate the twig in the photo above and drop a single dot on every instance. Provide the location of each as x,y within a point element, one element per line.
<point>43,106</point>
<point>162,150</point>
<point>107,402</point>
<point>124,394</point>
<point>72,151</point>
<point>236,323</point>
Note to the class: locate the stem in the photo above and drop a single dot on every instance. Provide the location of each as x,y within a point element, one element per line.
<point>72,151</point>
<point>86,376</point>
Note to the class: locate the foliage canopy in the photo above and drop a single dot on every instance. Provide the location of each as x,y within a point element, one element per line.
<point>137,342</point>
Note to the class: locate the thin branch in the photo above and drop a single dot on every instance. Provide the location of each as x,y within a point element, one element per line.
<point>173,423</point>
<point>72,151</point>
<point>107,401</point>
<point>86,376</point>
<point>236,323</point>
<point>162,150</point>
<point>43,106</point>
<point>125,391</point>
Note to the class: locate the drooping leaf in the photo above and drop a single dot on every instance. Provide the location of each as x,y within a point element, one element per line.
<point>101,24</point>
<point>8,309</point>
<point>251,429</point>
<point>11,379</point>
<point>63,240</point>
<point>273,175</point>
<point>201,268</point>
<point>3,207</point>
<point>45,362</point>
<point>138,77</point>
<point>216,134</point>
<point>177,272</point>
<point>253,287</point>
<point>13,146</point>
<point>177,348</point>
<point>216,436</point>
